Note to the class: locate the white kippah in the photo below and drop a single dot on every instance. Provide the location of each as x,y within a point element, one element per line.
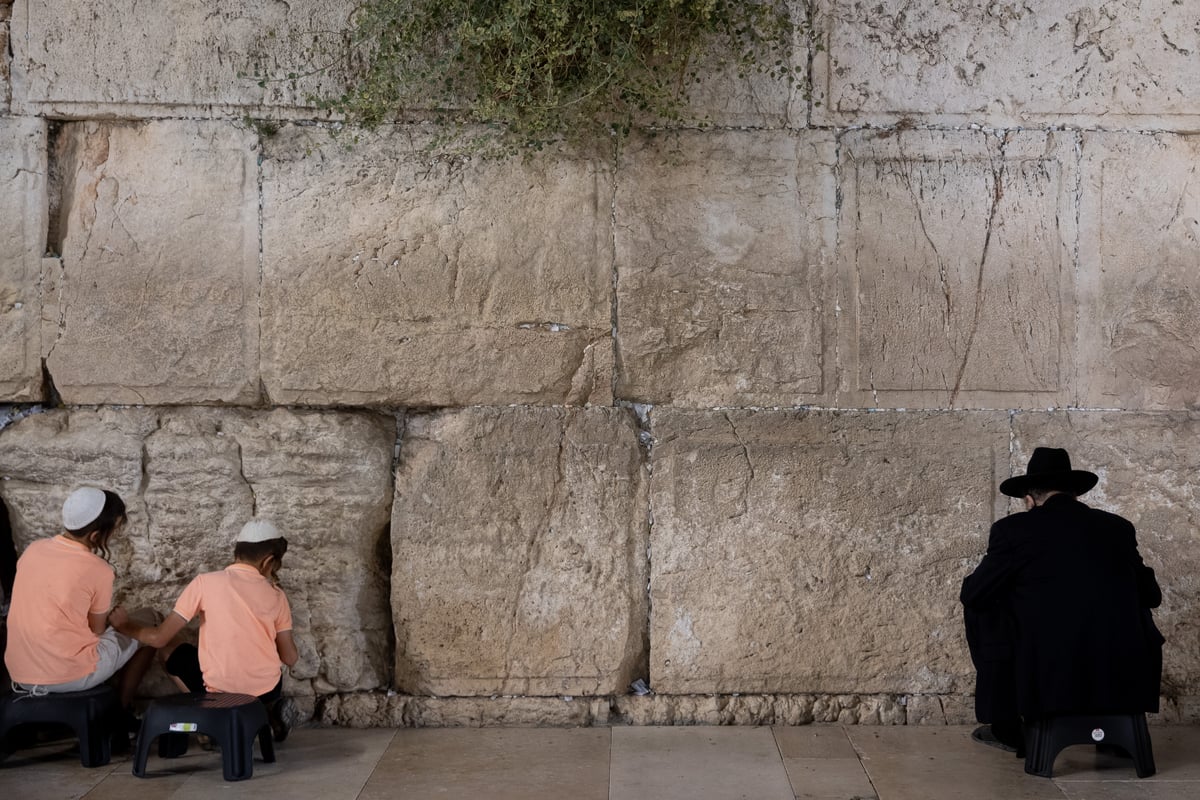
<point>82,508</point>
<point>258,530</point>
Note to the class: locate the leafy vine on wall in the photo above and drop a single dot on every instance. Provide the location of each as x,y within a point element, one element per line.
<point>537,71</point>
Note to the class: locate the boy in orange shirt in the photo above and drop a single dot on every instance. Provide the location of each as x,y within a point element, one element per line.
<point>59,634</point>
<point>245,625</point>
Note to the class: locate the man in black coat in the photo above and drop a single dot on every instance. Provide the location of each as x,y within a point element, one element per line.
<point>1058,612</point>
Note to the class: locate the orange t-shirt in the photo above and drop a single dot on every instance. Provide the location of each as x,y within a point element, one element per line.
<point>59,582</point>
<point>243,612</point>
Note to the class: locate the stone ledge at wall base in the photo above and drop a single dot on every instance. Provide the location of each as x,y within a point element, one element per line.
<point>378,709</point>
<point>388,710</point>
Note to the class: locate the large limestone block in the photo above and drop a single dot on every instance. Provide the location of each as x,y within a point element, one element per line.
<point>817,552</point>
<point>1139,321</point>
<point>23,206</point>
<point>191,477</point>
<point>519,537</point>
<point>157,301</point>
<point>397,278</point>
<point>957,274</point>
<point>724,244</point>
<point>1089,62</point>
<point>1148,466</point>
<point>176,57</point>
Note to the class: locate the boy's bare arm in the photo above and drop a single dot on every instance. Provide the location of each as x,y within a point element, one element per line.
<point>158,636</point>
<point>285,644</point>
<point>98,622</point>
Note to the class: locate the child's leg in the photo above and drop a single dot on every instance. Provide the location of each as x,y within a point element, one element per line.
<point>164,656</point>
<point>182,663</point>
<point>129,677</point>
<point>273,700</point>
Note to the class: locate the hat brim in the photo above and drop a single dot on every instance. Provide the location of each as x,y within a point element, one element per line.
<point>1075,481</point>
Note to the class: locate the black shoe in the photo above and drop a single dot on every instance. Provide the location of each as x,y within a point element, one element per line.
<point>983,734</point>
<point>280,726</point>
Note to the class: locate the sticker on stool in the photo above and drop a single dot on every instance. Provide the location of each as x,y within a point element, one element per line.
<point>191,727</point>
<point>1098,735</point>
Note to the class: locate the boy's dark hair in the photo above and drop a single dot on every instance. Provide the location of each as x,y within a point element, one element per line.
<point>111,517</point>
<point>254,552</point>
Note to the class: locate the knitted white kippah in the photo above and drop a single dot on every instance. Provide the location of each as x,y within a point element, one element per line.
<point>82,507</point>
<point>258,530</point>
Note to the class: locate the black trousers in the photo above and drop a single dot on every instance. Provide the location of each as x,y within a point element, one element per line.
<point>991,637</point>
<point>184,664</point>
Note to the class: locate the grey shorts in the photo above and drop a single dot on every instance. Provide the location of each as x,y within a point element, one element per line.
<point>113,651</point>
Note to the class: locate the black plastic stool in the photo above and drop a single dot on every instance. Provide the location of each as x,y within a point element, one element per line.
<point>92,714</point>
<point>1045,738</point>
<point>233,720</point>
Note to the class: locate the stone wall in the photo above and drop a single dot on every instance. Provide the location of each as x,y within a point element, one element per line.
<point>725,411</point>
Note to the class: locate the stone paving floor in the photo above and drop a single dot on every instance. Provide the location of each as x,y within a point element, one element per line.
<point>823,762</point>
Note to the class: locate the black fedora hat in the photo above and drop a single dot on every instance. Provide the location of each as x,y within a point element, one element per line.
<point>1050,468</point>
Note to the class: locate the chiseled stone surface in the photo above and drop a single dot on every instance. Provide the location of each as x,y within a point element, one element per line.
<point>191,477</point>
<point>133,58</point>
<point>5,56</point>
<point>1139,321</point>
<point>724,254</point>
<point>817,551</point>
<point>520,540</point>
<point>22,240</point>
<point>1008,63</point>
<point>1148,466</point>
<point>957,269</point>
<point>392,276</point>
<point>158,298</point>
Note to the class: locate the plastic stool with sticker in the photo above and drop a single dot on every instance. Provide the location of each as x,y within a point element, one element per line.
<point>232,720</point>
<point>1045,738</point>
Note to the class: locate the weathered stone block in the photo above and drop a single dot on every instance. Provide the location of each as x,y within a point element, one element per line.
<point>817,552</point>
<point>191,477</point>
<point>158,297</point>
<point>957,269</point>
<point>1139,321</point>
<point>1007,63</point>
<point>176,58</point>
<point>520,540</point>
<point>22,242</point>
<point>1148,466</point>
<point>394,277</point>
<point>724,244</point>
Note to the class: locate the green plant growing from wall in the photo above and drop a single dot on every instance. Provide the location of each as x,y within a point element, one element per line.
<point>543,70</point>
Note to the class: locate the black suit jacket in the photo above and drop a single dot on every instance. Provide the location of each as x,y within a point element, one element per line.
<point>1064,587</point>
